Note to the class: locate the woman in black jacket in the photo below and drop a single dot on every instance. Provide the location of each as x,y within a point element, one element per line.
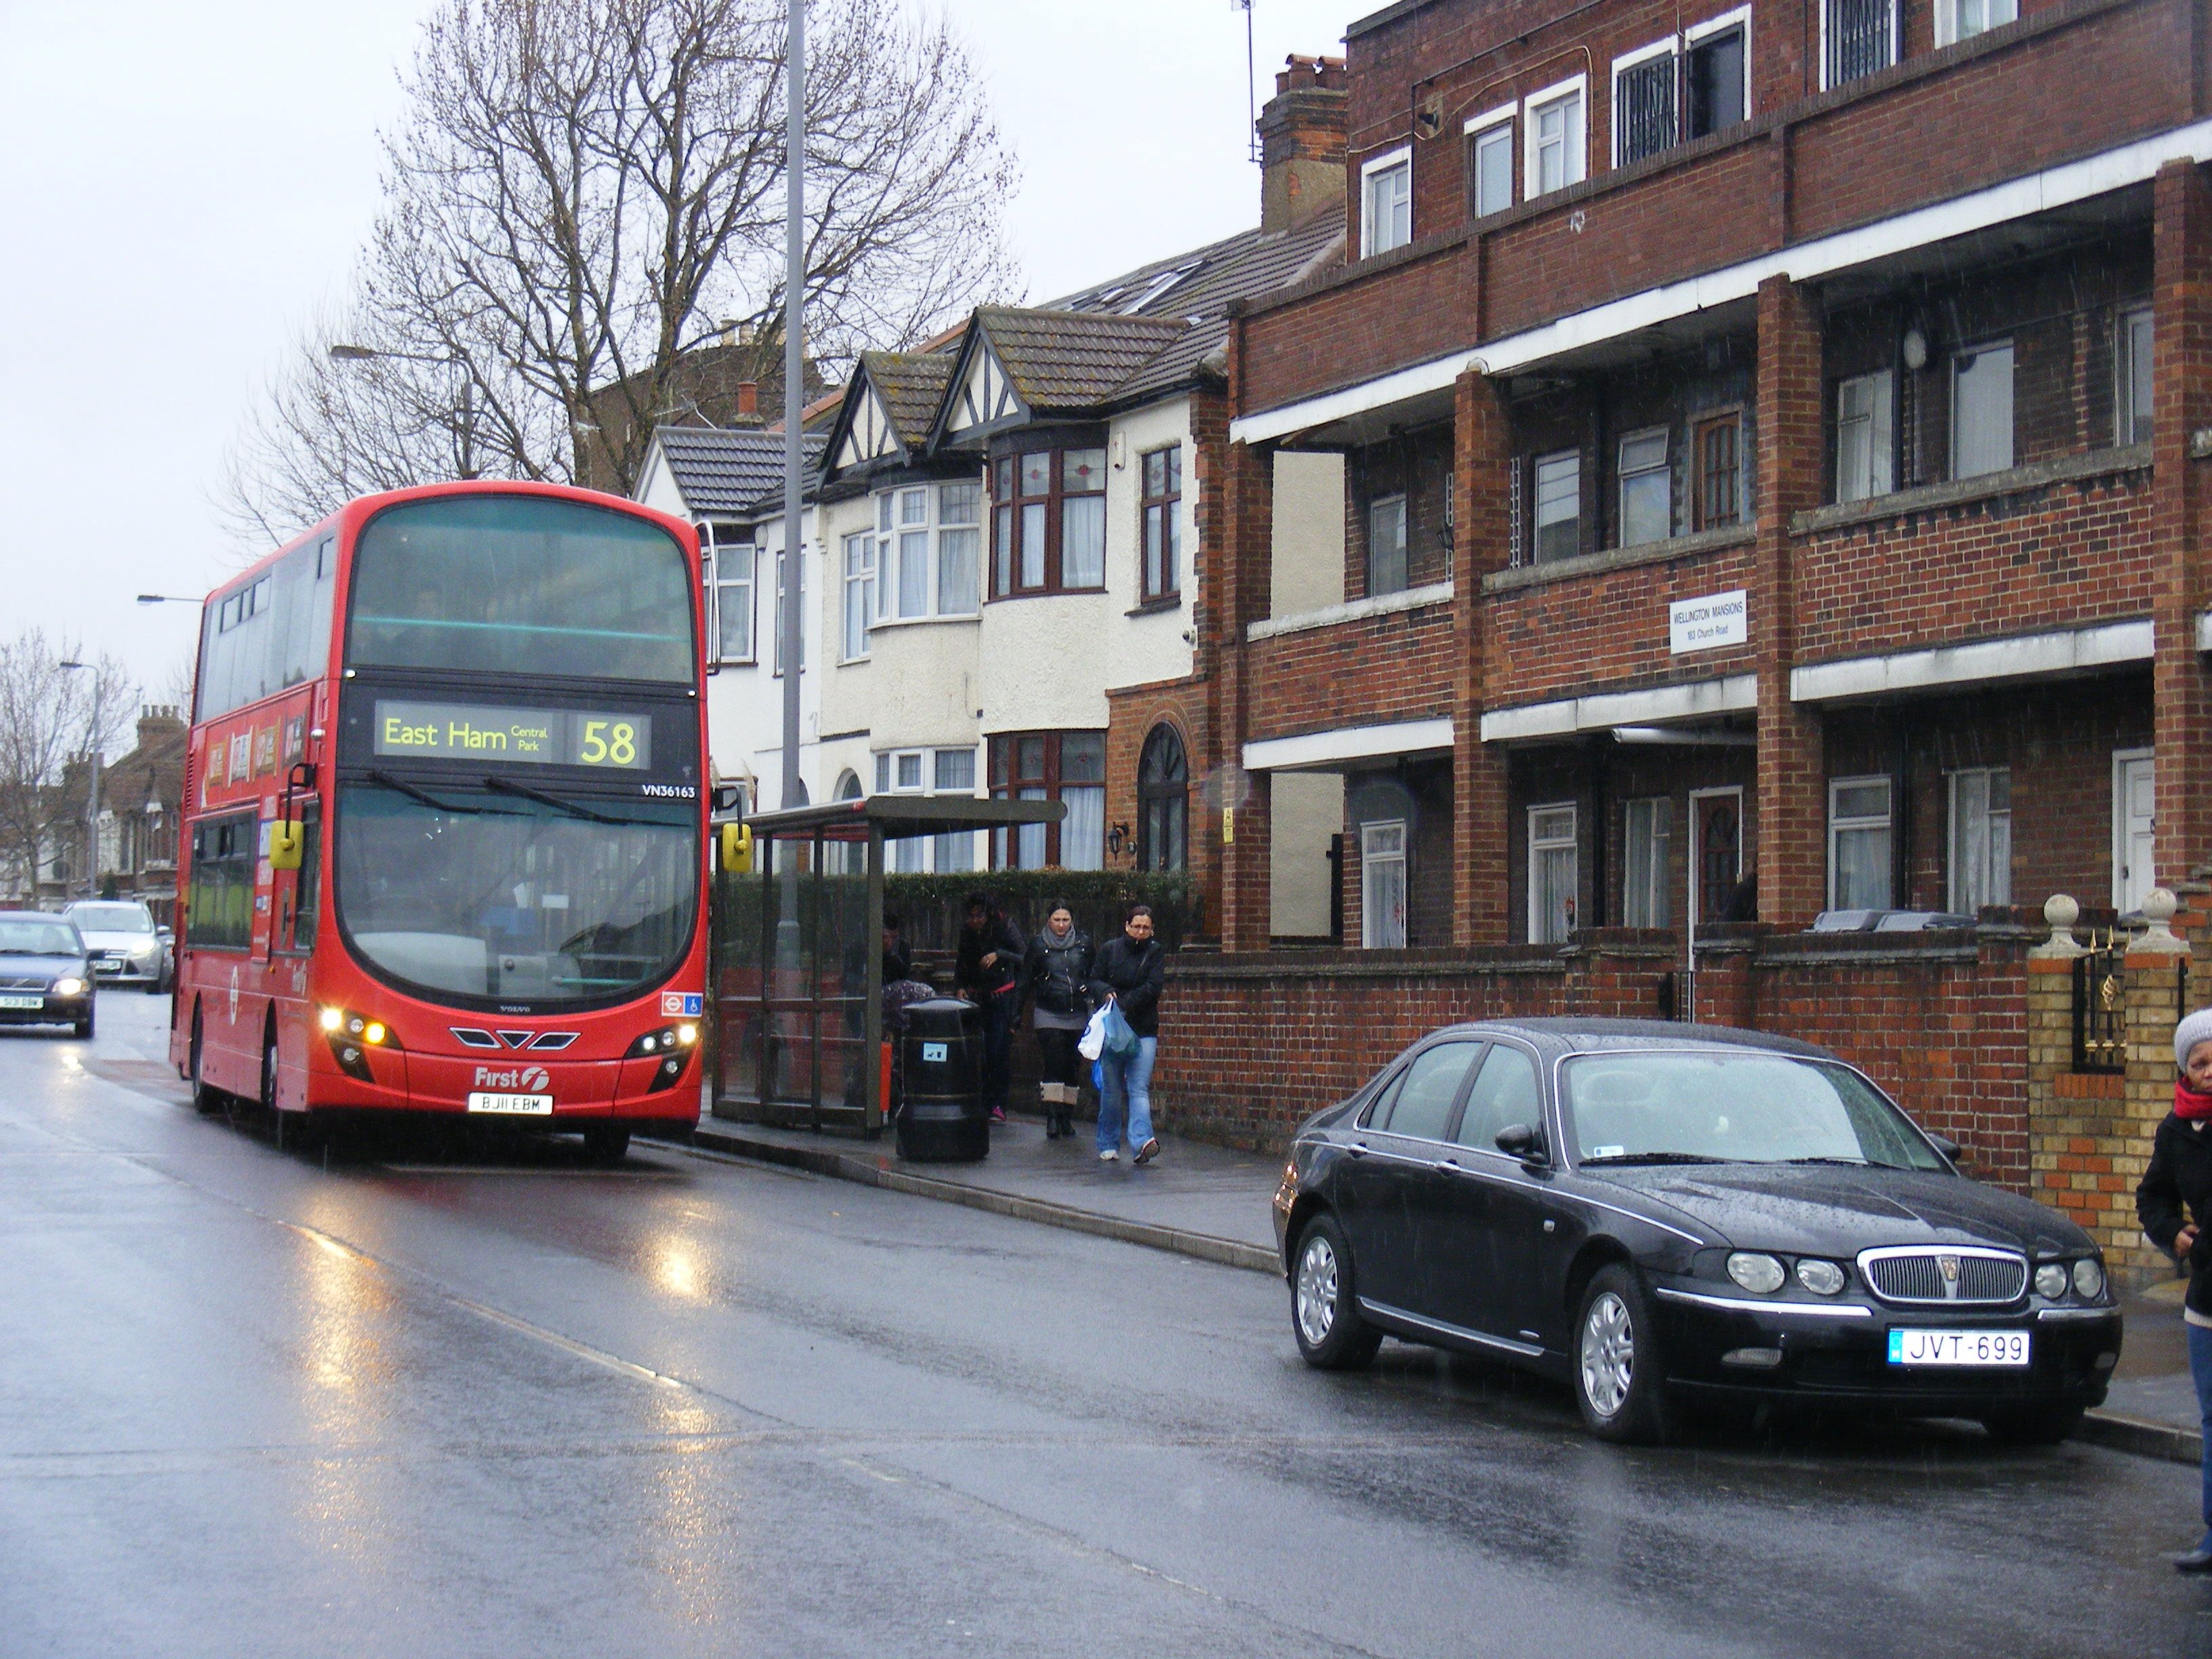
<point>1059,969</point>
<point>2175,1200</point>
<point>1129,973</point>
<point>988,972</point>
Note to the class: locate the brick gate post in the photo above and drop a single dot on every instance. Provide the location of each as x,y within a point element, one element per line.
<point>1482,481</point>
<point>2156,989</point>
<point>1789,836</point>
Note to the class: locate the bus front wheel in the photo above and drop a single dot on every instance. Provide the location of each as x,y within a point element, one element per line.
<point>607,1143</point>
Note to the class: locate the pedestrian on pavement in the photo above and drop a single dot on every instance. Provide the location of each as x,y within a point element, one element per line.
<point>988,972</point>
<point>1129,973</point>
<point>2174,1200</point>
<point>1060,962</point>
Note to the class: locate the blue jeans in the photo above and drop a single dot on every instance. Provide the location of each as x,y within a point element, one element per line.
<point>2200,1370</point>
<point>1128,1088</point>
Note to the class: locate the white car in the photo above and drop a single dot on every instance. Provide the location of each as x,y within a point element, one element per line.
<point>120,938</point>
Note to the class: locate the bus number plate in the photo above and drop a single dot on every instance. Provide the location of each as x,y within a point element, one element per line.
<point>512,1105</point>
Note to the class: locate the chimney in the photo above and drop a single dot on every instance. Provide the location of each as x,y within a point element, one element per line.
<point>1305,130</point>
<point>157,721</point>
<point>749,400</point>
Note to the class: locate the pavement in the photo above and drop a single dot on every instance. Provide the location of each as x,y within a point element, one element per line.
<point>472,1396</point>
<point>1213,1203</point>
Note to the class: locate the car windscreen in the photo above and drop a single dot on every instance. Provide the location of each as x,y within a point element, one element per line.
<point>1637,1106</point>
<point>520,585</point>
<point>32,936</point>
<point>111,918</point>
<point>532,897</point>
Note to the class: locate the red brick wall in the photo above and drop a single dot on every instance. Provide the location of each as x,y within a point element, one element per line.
<point>2060,556</point>
<point>1379,669</point>
<point>1607,629</point>
<point>1249,1046</point>
<point>1413,307</point>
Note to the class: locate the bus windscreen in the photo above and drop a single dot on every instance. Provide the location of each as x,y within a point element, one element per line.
<point>523,586</point>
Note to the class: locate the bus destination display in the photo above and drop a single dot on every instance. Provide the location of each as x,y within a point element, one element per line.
<point>536,736</point>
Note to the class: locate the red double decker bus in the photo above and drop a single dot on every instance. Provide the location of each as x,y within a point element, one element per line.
<point>446,819</point>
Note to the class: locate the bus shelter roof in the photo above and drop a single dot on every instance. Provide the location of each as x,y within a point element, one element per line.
<point>901,816</point>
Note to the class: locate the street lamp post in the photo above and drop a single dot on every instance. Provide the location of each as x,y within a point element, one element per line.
<point>794,389</point>
<point>362,354</point>
<point>91,809</point>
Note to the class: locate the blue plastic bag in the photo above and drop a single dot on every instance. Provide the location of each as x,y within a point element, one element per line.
<point>1120,1040</point>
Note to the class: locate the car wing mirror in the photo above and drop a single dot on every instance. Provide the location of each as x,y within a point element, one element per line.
<point>1950,1148</point>
<point>1523,1141</point>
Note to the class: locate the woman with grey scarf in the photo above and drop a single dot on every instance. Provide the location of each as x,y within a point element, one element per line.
<point>1059,965</point>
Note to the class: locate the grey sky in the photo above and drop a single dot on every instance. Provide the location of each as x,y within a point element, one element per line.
<point>185,184</point>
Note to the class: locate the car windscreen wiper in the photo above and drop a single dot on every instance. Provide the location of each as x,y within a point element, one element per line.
<point>379,775</point>
<point>1848,1163</point>
<point>1617,1160</point>
<point>509,787</point>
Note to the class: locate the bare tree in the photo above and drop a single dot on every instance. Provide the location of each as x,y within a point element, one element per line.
<point>50,717</point>
<point>583,192</point>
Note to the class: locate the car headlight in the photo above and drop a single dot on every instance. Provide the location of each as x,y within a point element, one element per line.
<point>69,988</point>
<point>1821,1278</point>
<point>2051,1280</point>
<point>147,952</point>
<point>1760,1273</point>
<point>2089,1278</point>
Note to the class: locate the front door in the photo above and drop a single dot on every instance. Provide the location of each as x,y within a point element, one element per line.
<point>1716,851</point>
<point>2134,826</point>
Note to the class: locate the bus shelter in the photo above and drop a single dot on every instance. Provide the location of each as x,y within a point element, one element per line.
<point>797,964</point>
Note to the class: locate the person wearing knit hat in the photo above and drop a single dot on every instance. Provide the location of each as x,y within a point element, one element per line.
<point>2174,1200</point>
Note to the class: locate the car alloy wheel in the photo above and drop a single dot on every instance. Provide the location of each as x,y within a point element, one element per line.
<point>1318,1286</point>
<point>1608,1354</point>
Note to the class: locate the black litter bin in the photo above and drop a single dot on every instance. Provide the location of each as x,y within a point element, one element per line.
<point>941,1114</point>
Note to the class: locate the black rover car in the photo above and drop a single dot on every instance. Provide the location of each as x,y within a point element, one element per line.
<point>1651,1212</point>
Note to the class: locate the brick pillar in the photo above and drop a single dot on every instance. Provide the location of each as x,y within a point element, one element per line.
<point>2156,964</point>
<point>1242,593</point>
<point>2182,378</point>
<point>1483,438</point>
<point>1791,832</point>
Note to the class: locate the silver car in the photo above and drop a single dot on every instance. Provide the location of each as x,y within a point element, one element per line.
<point>120,937</point>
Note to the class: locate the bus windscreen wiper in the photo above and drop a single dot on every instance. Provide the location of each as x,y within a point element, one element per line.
<point>509,787</point>
<point>423,796</point>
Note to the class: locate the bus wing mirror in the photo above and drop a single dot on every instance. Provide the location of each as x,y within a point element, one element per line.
<point>286,843</point>
<point>728,797</point>
<point>737,848</point>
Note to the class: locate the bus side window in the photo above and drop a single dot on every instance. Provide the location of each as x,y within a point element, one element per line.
<point>307,885</point>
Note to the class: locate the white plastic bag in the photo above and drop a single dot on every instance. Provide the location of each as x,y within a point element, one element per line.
<point>1093,1042</point>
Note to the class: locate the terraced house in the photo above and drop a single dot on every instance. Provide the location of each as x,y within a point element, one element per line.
<point>1771,445</point>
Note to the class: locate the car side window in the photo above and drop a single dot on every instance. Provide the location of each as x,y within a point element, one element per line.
<point>1378,1109</point>
<point>1504,1094</point>
<point>1423,1105</point>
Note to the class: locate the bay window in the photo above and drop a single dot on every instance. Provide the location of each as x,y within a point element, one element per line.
<point>1049,529</point>
<point>1069,767</point>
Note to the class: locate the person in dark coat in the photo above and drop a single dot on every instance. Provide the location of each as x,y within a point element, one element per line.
<point>1130,972</point>
<point>898,961</point>
<point>2174,1200</point>
<point>1060,960</point>
<point>988,972</point>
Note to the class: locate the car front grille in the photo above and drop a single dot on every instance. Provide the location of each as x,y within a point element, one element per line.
<point>1937,1277</point>
<point>20,982</point>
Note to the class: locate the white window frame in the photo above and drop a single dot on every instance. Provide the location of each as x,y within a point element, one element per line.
<point>1669,47</point>
<point>1881,435</point>
<point>1653,885</point>
<point>1369,170</point>
<point>1621,475</point>
<point>1696,32</point>
<point>2127,419</point>
<point>1373,937</point>
<point>1947,21</point>
<point>782,559</point>
<point>1826,6</point>
<point>718,586</point>
<point>1399,501</point>
<point>1577,87</point>
<point>1836,826</point>
<point>860,586</point>
<point>1478,131</point>
<point>1572,842</point>
<point>1995,878</point>
<point>2121,873</point>
<point>1536,464</point>
<point>1979,349</point>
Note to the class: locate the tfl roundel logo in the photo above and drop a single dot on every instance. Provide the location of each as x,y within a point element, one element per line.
<point>681,1005</point>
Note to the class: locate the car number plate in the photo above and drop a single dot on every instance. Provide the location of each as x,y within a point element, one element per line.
<point>23,1002</point>
<point>514,1105</point>
<point>2002,1350</point>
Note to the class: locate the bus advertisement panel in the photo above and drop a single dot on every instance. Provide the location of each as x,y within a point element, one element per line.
<point>446,846</point>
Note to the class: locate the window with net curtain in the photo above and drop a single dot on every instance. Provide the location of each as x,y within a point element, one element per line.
<point>1069,767</point>
<point>1859,843</point>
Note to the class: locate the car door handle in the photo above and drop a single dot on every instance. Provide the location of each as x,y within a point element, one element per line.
<point>1359,1149</point>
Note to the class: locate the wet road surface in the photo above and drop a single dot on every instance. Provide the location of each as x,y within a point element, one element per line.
<point>251,1404</point>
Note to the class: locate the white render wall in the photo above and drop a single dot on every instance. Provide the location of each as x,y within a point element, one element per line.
<point>1307,565</point>
<point>1046,662</point>
<point>1304,809</point>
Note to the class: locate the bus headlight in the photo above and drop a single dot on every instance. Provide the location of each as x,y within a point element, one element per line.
<point>332,1018</point>
<point>660,1042</point>
<point>351,1035</point>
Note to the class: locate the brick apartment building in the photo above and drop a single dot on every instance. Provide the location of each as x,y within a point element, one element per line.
<point>1770,441</point>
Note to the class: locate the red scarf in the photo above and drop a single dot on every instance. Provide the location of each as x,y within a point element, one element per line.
<point>2188,1104</point>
